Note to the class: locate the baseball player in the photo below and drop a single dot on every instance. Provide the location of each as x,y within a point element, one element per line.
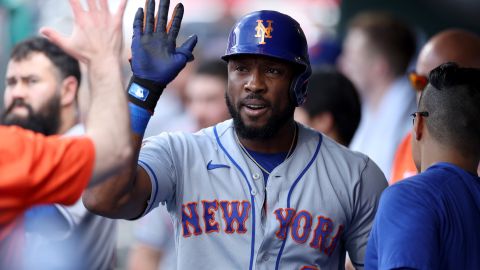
<point>456,45</point>
<point>205,91</point>
<point>431,220</point>
<point>256,192</point>
<point>44,81</point>
<point>36,169</point>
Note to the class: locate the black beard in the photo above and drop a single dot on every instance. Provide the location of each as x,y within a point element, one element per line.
<point>46,121</point>
<point>277,121</point>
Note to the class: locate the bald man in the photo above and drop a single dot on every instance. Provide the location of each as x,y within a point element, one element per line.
<point>452,45</point>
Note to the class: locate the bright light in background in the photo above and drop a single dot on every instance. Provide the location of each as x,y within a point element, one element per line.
<point>315,16</point>
<point>318,18</point>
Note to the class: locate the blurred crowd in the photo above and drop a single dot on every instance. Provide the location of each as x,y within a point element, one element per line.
<point>362,92</point>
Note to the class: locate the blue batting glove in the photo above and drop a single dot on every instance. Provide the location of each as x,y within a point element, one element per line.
<point>155,56</point>
<point>156,60</point>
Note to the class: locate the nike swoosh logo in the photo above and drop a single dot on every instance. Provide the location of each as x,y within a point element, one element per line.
<point>211,166</point>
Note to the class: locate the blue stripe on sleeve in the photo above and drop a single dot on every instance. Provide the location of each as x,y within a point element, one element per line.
<point>154,187</point>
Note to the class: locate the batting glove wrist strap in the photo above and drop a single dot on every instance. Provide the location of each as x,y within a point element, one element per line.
<point>139,118</point>
<point>144,93</point>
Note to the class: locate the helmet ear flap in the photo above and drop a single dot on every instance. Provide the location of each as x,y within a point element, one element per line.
<point>298,94</point>
<point>299,87</point>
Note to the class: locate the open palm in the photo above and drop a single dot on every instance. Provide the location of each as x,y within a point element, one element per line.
<point>96,31</point>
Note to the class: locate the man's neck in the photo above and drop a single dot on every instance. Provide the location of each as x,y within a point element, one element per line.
<point>281,142</point>
<point>377,92</point>
<point>436,153</point>
<point>67,121</point>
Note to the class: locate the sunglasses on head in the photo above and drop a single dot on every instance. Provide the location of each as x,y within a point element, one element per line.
<point>418,82</point>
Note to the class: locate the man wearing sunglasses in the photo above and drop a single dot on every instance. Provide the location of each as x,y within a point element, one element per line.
<point>431,220</point>
<point>453,45</point>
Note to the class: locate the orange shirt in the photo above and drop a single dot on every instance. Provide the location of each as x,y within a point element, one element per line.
<point>403,164</point>
<point>35,169</point>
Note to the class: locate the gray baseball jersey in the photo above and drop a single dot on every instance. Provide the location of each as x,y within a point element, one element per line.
<point>317,204</point>
<point>79,238</point>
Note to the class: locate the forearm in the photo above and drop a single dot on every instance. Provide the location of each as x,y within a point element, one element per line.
<point>108,120</point>
<point>154,65</point>
<point>96,40</point>
<point>123,195</point>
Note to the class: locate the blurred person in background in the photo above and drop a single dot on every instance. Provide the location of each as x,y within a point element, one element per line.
<point>325,52</point>
<point>155,242</point>
<point>376,53</point>
<point>38,169</point>
<point>332,106</point>
<point>454,45</point>
<point>431,220</point>
<point>42,83</point>
<point>205,91</point>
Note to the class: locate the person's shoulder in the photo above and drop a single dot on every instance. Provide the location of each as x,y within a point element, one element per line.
<point>14,130</point>
<point>352,165</point>
<point>219,130</point>
<point>447,171</point>
<point>339,152</point>
<point>427,180</point>
<point>212,133</point>
<point>332,151</point>
<point>202,138</point>
<point>415,188</point>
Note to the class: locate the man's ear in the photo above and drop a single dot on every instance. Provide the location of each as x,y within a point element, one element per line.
<point>418,126</point>
<point>69,90</point>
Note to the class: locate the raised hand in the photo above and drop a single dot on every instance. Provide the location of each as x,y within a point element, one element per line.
<point>97,41</point>
<point>97,33</point>
<point>155,56</point>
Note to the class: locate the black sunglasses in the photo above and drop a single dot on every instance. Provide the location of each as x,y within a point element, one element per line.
<point>423,114</point>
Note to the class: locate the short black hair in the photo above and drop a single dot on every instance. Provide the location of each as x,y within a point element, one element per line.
<point>330,91</point>
<point>216,68</point>
<point>65,64</point>
<point>452,99</point>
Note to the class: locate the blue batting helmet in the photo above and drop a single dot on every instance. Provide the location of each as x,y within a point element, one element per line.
<point>277,35</point>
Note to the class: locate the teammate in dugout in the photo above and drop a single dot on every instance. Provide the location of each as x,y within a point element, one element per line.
<point>36,169</point>
<point>259,191</point>
<point>431,220</point>
<point>41,95</point>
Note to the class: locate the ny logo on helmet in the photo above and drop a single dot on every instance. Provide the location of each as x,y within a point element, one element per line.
<point>262,31</point>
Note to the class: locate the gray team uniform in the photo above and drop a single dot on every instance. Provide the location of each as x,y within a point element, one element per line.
<point>88,241</point>
<point>318,203</point>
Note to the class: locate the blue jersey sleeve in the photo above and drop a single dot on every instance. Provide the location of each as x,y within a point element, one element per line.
<point>405,231</point>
